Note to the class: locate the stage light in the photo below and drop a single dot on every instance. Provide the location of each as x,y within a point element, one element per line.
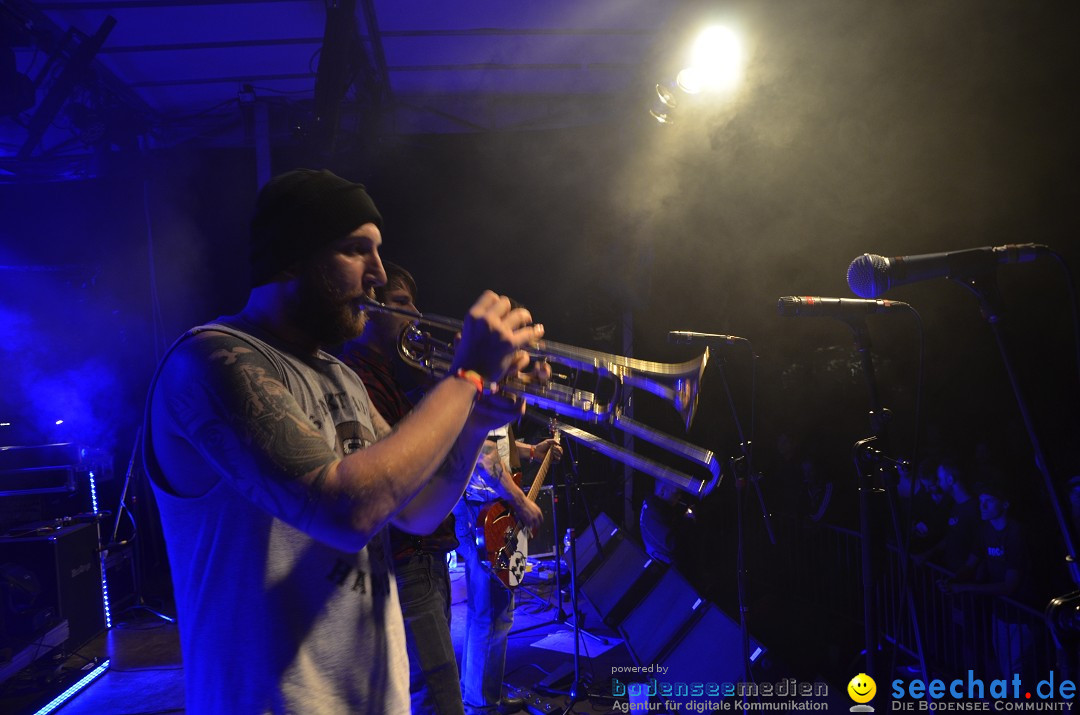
<point>715,62</point>
<point>74,689</point>
<point>715,68</point>
<point>104,578</point>
<point>59,422</point>
<point>663,109</point>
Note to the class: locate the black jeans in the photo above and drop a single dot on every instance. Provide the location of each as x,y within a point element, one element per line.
<point>423,582</point>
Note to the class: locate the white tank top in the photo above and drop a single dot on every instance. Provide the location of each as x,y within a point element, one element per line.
<point>271,620</point>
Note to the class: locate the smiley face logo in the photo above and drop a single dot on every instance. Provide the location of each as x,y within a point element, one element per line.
<point>862,688</point>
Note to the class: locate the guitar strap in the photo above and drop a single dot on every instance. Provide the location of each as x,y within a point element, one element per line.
<point>515,458</point>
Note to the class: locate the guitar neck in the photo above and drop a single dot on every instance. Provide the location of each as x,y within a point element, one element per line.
<point>541,476</point>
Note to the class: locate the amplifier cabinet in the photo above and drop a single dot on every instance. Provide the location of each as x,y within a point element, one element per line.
<point>542,543</point>
<point>67,565</point>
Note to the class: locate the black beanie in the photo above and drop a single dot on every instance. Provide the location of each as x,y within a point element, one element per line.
<point>299,212</point>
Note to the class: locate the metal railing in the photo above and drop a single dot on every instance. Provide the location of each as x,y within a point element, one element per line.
<point>992,636</point>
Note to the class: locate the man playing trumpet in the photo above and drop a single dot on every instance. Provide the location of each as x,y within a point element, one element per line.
<point>275,477</point>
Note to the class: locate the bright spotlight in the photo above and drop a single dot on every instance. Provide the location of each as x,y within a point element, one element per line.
<point>715,62</point>
<point>59,422</point>
<point>689,80</point>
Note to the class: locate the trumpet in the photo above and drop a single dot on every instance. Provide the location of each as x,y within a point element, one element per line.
<point>604,402</point>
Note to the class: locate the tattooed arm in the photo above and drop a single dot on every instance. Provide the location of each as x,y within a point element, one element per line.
<point>219,399</point>
<point>425,511</point>
<point>219,402</point>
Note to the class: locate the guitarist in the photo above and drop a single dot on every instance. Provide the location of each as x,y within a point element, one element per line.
<point>490,612</point>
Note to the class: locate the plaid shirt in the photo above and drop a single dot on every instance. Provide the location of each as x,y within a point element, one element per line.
<point>377,374</point>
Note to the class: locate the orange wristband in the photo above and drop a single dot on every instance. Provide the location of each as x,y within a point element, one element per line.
<point>471,376</point>
<point>532,453</point>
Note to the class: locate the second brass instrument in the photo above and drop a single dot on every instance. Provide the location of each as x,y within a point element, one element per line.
<point>677,383</point>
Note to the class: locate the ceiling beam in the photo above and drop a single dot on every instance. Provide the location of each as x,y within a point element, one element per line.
<point>234,79</point>
<point>139,4</point>
<point>333,78</point>
<point>378,54</point>
<point>211,45</point>
<point>76,70</point>
<point>50,33</point>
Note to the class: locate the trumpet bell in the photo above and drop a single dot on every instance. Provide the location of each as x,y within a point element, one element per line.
<point>677,383</point>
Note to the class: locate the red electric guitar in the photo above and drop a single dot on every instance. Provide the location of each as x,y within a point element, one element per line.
<point>503,538</point>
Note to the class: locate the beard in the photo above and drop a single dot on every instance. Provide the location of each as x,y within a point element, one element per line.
<point>323,310</point>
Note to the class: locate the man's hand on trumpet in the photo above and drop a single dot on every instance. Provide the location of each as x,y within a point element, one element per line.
<point>490,343</point>
<point>492,337</point>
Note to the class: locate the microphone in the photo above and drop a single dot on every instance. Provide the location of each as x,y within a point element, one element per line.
<point>808,306</point>
<point>686,337</point>
<point>871,275</point>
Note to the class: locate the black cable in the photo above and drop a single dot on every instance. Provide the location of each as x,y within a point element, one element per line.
<point>528,665</point>
<point>1070,286</point>
<point>914,458</point>
<point>77,654</point>
<point>26,672</point>
<point>904,535</point>
<point>170,121</point>
<point>919,387</point>
<point>150,627</point>
<point>145,670</point>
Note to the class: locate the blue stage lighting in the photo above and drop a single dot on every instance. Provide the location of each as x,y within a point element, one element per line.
<point>74,689</point>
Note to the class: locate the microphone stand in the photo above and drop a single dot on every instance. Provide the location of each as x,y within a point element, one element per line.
<point>561,615</point>
<point>742,473</point>
<point>577,689</point>
<point>865,457</point>
<point>140,601</point>
<point>983,283</point>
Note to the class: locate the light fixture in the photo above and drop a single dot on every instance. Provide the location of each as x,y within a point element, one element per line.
<point>74,689</point>
<point>102,554</point>
<point>664,106</point>
<point>715,67</point>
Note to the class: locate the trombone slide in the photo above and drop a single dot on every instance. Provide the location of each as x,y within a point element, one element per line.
<point>691,485</point>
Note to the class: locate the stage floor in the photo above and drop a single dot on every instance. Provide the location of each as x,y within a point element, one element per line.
<point>146,674</point>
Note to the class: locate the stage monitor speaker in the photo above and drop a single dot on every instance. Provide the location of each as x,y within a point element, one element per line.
<point>657,620</point>
<point>623,577</point>
<point>586,547</point>
<point>710,650</point>
<point>542,543</point>
<point>67,568</point>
